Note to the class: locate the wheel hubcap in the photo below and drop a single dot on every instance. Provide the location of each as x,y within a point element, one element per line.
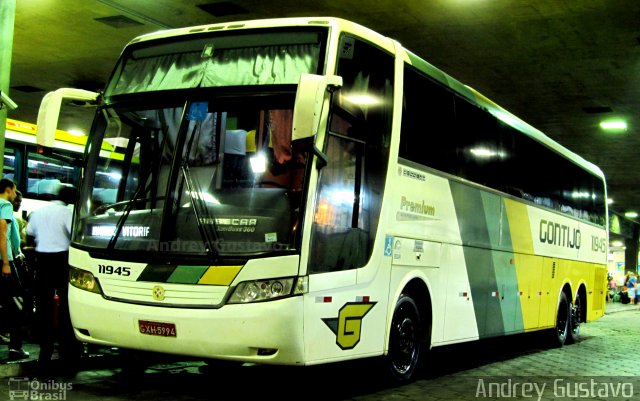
<point>562,322</point>
<point>406,345</point>
<point>575,318</point>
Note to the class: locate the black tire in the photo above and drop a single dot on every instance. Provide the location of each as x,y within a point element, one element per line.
<point>559,334</point>
<point>574,322</point>
<point>405,340</point>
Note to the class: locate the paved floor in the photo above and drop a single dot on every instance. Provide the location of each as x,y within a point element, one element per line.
<point>602,365</point>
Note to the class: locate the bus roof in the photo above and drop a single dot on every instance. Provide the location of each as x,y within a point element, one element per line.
<point>265,23</point>
<point>391,46</point>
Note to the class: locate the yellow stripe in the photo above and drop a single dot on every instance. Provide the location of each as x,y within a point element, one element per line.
<point>528,266</point>
<point>64,136</point>
<point>219,275</point>
<point>519,226</point>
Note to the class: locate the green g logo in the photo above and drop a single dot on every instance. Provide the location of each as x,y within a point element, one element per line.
<point>348,325</point>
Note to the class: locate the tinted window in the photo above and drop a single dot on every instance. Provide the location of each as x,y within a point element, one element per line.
<point>427,120</point>
<point>357,147</point>
<point>446,132</point>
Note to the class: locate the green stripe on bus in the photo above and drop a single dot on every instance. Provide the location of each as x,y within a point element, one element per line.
<point>474,231</point>
<point>157,273</point>
<point>503,262</point>
<point>507,277</point>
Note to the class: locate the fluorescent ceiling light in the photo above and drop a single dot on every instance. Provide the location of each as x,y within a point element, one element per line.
<point>579,195</point>
<point>121,142</point>
<point>76,132</point>
<point>631,215</point>
<point>613,125</point>
<point>609,201</point>
<point>363,99</point>
<point>485,153</point>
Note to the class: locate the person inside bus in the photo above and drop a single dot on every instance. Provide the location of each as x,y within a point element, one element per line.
<point>12,302</point>
<point>235,150</point>
<point>50,228</point>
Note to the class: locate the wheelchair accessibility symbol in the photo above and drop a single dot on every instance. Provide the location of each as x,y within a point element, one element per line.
<point>388,245</point>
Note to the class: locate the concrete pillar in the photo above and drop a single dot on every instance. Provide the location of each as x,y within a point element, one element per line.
<point>7,18</point>
<point>631,251</point>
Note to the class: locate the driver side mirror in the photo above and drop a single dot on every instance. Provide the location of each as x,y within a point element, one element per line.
<point>49,112</point>
<point>309,101</point>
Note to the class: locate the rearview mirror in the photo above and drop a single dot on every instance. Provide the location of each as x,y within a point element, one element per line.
<point>309,102</point>
<point>49,112</point>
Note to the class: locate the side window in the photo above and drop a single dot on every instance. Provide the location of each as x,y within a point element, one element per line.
<point>351,186</point>
<point>427,120</point>
<point>482,154</point>
<point>448,133</point>
<point>46,175</point>
<point>9,166</point>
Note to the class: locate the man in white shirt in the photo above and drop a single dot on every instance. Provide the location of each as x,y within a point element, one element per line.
<point>50,227</point>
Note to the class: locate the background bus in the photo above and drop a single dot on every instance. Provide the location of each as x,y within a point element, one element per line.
<point>378,206</point>
<point>39,176</point>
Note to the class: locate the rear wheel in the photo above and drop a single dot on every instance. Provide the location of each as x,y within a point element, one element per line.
<point>574,323</point>
<point>405,340</point>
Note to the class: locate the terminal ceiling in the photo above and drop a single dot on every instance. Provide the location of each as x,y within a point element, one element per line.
<point>562,66</point>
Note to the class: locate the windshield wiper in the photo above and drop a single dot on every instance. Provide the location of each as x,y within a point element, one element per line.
<point>125,214</point>
<point>204,233</point>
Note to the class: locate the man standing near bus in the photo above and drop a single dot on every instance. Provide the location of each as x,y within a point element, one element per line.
<point>10,247</point>
<point>50,227</point>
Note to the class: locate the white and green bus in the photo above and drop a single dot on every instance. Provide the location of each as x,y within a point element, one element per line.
<point>303,191</point>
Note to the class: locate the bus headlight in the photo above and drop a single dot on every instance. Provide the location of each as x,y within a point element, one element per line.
<point>84,280</point>
<point>265,290</point>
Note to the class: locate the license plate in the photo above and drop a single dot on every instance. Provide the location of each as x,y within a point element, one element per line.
<point>157,328</point>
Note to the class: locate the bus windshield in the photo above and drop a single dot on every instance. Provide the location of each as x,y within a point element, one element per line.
<point>266,57</point>
<point>194,178</point>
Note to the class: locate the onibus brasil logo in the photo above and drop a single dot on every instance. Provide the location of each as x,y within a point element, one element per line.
<point>23,388</point>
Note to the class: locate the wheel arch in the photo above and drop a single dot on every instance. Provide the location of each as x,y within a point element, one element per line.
<point>417,287</point>
<point>582,294</point>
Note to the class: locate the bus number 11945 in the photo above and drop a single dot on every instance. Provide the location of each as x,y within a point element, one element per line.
<point>120,271</point>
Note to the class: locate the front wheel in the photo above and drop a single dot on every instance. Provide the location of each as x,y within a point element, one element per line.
<point>559,334</point>
<point>405,340</point>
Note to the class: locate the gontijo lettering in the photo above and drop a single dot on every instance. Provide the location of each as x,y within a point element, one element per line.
<point>417,207</point>
<point>559,234</point>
